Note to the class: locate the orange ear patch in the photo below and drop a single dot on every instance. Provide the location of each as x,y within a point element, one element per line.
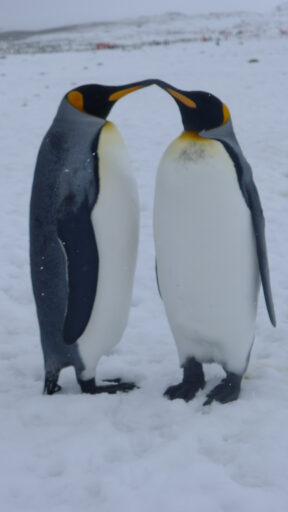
<point>226,113</point>
<point>76,99</point>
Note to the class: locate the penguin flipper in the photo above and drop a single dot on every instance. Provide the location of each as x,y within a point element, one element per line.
<point>258,221</point>
<point>75,231</point>
<point>251,197</point>
<point>157,279</point>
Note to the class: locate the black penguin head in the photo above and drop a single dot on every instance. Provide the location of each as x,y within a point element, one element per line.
<point>199,110</point>
<point>97,100</point>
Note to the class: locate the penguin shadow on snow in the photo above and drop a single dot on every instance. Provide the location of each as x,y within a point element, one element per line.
<point>211,254</point>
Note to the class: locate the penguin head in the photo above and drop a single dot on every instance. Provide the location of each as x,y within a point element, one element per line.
<point>97,100</point>
<point>200,111</point>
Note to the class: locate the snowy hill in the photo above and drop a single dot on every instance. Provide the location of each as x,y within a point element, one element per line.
<point>161,30</point>
<point>140,452</point>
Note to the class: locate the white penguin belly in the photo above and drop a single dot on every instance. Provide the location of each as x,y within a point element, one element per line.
<point>206,255</point>
<point>115,219</point>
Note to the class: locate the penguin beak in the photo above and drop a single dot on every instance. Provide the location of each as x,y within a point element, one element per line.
<point>182,98</point>
<point>178,95</point>
<point>127,89</point>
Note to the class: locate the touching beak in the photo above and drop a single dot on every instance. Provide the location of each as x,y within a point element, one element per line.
<point>127,89</point>
<point>178,95</point>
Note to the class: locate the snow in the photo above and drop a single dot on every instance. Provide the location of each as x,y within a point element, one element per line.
<point>140,452</point>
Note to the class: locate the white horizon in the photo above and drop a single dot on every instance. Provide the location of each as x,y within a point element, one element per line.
<point>37,15</point>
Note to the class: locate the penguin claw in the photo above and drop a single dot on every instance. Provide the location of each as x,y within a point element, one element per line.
<point>51,387</point>
<point>227,391</point>
<point>111,389</point>
<point>91,388</point>
<point>116,381</point>
<point>184,391</point>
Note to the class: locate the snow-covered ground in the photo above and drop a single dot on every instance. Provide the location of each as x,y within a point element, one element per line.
<point>139,452</point>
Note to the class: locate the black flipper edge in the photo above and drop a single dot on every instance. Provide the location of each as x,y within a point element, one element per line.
<point>259,230</point>
<point>76,234</point>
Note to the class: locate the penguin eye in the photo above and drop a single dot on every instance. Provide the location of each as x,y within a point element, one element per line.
<point>76,99</point>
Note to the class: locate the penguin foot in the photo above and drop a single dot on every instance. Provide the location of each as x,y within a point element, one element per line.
<point>186,391</point>
<point>123,387</point>
<point>116,381</point>
<point>193,381</point>
<point>51,387</point>
<point>227,391</point>
<point>90,387</point>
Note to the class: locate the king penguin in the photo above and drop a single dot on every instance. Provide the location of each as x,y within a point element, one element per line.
<point>84,228</point>
<point>210,246</point>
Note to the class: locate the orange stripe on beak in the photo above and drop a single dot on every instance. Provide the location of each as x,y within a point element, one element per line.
<point>119,94</point>
<point>182,98</point>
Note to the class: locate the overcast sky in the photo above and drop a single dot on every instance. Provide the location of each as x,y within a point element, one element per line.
<point>34,14</point>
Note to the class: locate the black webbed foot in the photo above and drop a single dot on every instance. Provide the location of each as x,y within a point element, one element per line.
<point>116,381</point>
<point>227,391</point>
<point>51,386</point>
<point>185,391</point>
<point>123,387</point>
<point>90,387</point>
<point>193,381</point>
